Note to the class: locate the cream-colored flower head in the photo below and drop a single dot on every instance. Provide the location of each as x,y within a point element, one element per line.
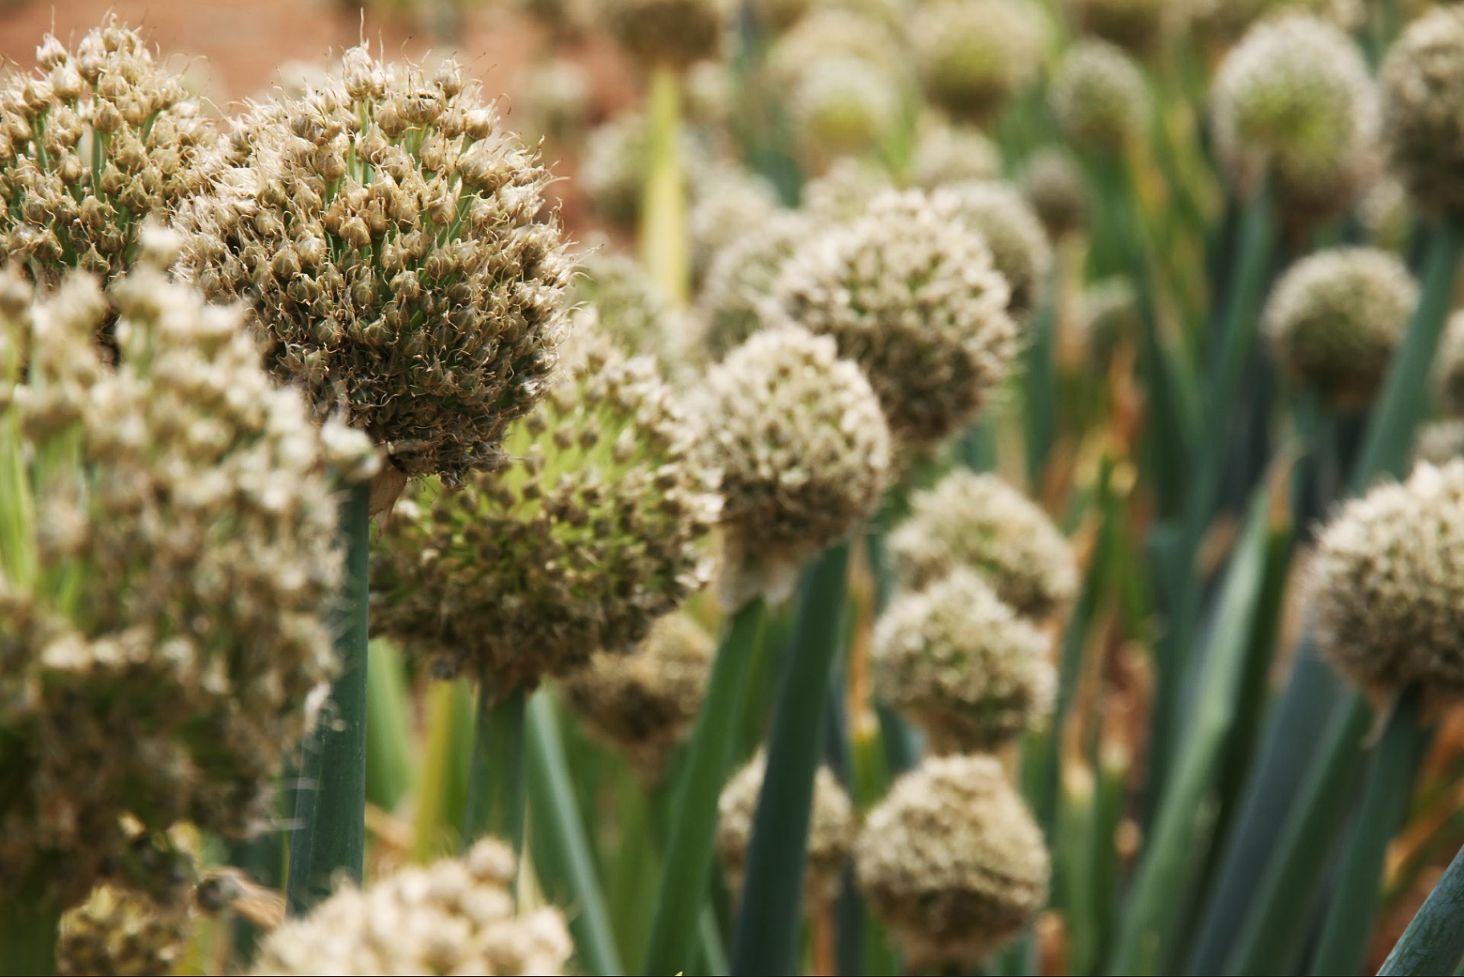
<point>952,154</point>
<point>645,703</point>
<point>910,293</point>
<point>730,202</point>
<point>165,568</point>
<point>831,830</point>
<point>563,19</point>
<point>1440,441</point>
<point>94,142</point>
<point>1054,186</point>
<point>842,193</point>
<point>965,666</point>
<point>627,307</point>
<point>1294,104</point>
<point>121,932</point>
<point>678,33</point>
<point>1019,246</point>
<point>842,106</point>
<point>612,168</point>
<point>1386,585</point>
<point>1422,82</point>
<point>595,529</point>
<point>554,100</point>
<point>389,235</point>
<point>740,282</point>
<point>1223,20</point>
<point>1108,317</point>
<point>1100,98</point>
<point>952,862</point>
<point>803,450</point>
<point>974,55</point>
<point>981,522</point>
<point>453,917</point>
<point>1386,213</point>
<point>835,31</point>
<point>1134,25</point>
<point>1335,318</point>
<point>1449,366</point>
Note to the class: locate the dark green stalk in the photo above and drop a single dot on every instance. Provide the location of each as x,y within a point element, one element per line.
<point>1434,940</point>
<point>28,930</point>
<point>765,939</point>
<point>688,862</point>
<point>330,834</point>
<point>496,778</point>
<point>1040,384</point>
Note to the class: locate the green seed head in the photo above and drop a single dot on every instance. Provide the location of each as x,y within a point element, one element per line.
<point>831,830</point>
<point>670,32</point>
<point>1449,366</point>
<point>1054,187</point>
<point>842,106</point>
<point>974,55</point>
<point>952,154</point>
<point>910,293</point>
<point>453,917</point>
<point>1335,318</point>
<point>122,932</point>
<point>981,522</point>
<point>952,862</point>
<point>740,282</point>
<point>594,529</point>
<point>1387,584</point>
<point>1100,98</point>
<point>1422,82</point>
<point>1134,25</point>
<point>963,664</point>
<point>389,234</point>
<point>1018,243</point>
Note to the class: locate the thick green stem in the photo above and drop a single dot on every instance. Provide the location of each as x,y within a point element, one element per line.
<point>388,730</point>
<point>1434,940</point>
<point>688,862</point>
<point>663,229</point>
<point>765,939</point>
<point>496,778</point>
<point>28,928</point>
<point>330,832</point>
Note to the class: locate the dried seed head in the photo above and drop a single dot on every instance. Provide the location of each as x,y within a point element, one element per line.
<point>842,106</point>
<point>390,234</point>
<point>963,664</point>
<point>1100,98</point>
<point>96,141</point>
<point>1294,104</point>
<point>1386,213</point>
<point>1054,186</point>
<point>803,450</point>
<point>910,293</point>
<point>160,604</point>
<point>1422,82</point>
<point>1387,584</point>
<point>1018,243</point>
<point>730,202</point>
<point>645,703</point>
<point>671,32</point>
<point>981,522</point>
<point>974,55</point>
<point>1449,367</point>
<point>952,154</point>
<point>453,917</point>
<point>595,528</point>
<point>1441,441</point>
<point>1335,318</point>
<point>952,862</point>
<point>1108,318</point>
<point>831,830</point>
<point>121,932</point>
<point>1134,25</point>
<point>740,281</point>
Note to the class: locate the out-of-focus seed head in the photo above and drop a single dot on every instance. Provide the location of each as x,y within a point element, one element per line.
<point>565,20</point>
<point>554,100</point>
<point>612,170</point>
<point>831,830</point>
<point>952,154</point>
<point>163,578</point>
<point>1054,186</point>
<point>1449,366</point>
<point>1294,104</point>
<point>98,139</point>
<point>836,32</point>
<point>842,193</point>
<point>981,522</point>
<point>1441,441</point>
<point>1422,82</point>
<point>122,932</point>
<point>1387,585</point>
<point>1386,213</point>
<point>1108,318</point>
<point>803,450</point>
<point>740,282</point>
<point>628,307</point>
<point>668,32</point>
<point>645,703</point>
<point>389,233</point>
<point>1134,25</point>
<point>595,528</point>
<point>1011,229</point>
<point>730,202</point>
<point>453,917</point>
<point>963,665</point>
<point>910,293</point>
<point>776,16</point>
<point>1100,98</point>
<point>842,106</point>
<point>974,55</point>
<point>1223,20</point>
<point>1335,318</point>
<point>952,862</point>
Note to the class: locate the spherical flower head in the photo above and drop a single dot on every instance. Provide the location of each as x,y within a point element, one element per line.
<point>910,293</point>
<point>842,193</point>
<point>842,106</point>
<point>803,450</point>
<point>595,529</point>
<point>1386,585</point>
<point>95,141</point>
<point>1054,187</point>
<point>1108,318</point>
<point>730,203</point>
<point>388,232</point>
<point>1422,82</point>
<point>952,154</point>
<point>554,100</point>
<point>1441,441</point>
<point>1294,104</point>
<point>453,917</point>
<point>1223,20</point>
<point>1335,318</point>
<point>164,575</point>
<point>626,306</point>
<point>645,703</point>
<point>981,522</point>
<point>974,55</point>
<point>740,282</point>
<point>965,666</point>
<point>1134,25</point>
<point>1100,98</point>
<point>1449,366</point>
<point>1018,243</point>
<point>831,830</point>
<point>612,169</point>
<point>952,862</point>
<point>835,32</point>
<point>1386,213</point>
<point>668,32</point>
<point>122,932</point>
